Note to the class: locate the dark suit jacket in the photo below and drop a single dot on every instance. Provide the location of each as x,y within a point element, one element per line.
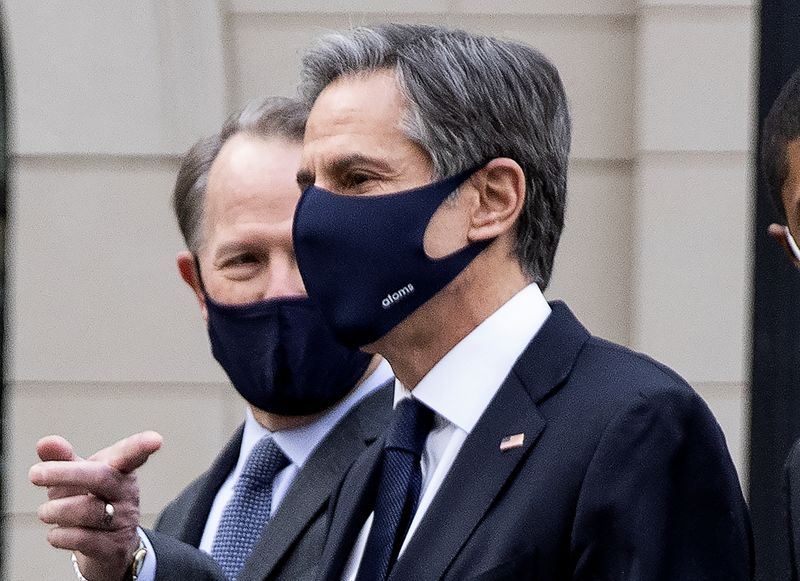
<point>792,490</point>
<point>623,475</point>
<point>292,541</point>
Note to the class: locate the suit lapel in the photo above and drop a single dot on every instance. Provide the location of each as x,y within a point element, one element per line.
<point>478,475</point>
<point>199,505</point>
<point>355,501</point>
<point>316,482</point>
<point>481,469</point>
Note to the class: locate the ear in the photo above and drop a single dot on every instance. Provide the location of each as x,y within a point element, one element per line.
<point>501,195</point>
<point>189,273</point>
<point>778,233</point>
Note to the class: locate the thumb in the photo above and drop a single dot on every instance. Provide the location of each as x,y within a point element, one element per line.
<point>130,453</point>
<point>55,448</point>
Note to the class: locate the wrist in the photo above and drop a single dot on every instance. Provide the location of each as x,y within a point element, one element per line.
<point>131,572</point>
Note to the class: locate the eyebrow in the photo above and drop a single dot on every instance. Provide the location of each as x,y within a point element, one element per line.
<point>234,246</point>
<point>253,241</point>
<point>339,165</point>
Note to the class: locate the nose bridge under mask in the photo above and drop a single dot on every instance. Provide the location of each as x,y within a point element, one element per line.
<point>282,279</point>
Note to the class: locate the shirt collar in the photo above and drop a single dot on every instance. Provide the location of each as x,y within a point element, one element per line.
<point>461,385</point>
<point>299,443</point>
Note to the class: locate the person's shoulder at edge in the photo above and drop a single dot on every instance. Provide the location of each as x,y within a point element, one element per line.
<point>620,371</point>
<point>608,380</point>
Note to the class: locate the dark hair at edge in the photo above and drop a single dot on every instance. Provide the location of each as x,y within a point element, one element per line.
<point>781,127</point>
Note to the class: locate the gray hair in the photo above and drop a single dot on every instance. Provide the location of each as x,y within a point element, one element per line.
<point>271,117</point>
<point>469,99</point>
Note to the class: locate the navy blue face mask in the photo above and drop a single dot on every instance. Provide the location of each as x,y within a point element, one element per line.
<point>281,356</point>
<point>363,260</point>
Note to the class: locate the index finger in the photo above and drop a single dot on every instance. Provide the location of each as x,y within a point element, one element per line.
<point>98,478</point>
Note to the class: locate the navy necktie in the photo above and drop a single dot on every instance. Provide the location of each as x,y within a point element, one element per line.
<point>247,512</point>
<point>398,490</point>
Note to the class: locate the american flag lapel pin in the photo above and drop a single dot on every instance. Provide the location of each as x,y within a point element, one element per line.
<point>510,442</point>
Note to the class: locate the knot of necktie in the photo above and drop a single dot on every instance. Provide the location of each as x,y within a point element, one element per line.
<point>398,490</point>
<point>264,462</point>
<point>411,423</point>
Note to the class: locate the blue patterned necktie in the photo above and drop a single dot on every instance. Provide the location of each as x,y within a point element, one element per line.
<point>398,490</point>
<point>247,512</point>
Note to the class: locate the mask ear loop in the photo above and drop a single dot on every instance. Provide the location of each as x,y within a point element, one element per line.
<point>792,243</point>
<point>199,274</point>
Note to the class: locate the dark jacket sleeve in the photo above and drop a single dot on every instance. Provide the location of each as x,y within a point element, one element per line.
<point>171,519</point>
<point>791,487</point>
<point>177,561</point>
<point>165,520</point>
<point>661,500</point>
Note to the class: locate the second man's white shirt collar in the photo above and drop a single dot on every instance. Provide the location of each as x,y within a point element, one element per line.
<point>299,443</point>
<point>461,385</point>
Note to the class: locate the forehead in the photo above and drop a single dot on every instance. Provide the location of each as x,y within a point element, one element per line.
<point>367,107</point>
<point>253,178</point>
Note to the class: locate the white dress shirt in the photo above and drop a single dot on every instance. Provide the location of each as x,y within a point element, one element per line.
<point>297,444</point>
<point>458,389</point>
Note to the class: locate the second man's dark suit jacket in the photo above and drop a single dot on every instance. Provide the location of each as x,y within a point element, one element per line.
<point>291,544</point>
<point>623,475</point>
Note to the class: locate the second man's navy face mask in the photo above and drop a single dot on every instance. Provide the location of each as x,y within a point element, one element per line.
<point>363,260</point>
<point>281,356</point>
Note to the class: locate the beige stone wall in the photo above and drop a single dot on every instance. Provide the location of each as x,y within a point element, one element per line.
<point>105,340</point>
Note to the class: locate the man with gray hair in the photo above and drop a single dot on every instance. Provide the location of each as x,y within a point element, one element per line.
<point>521,447</point>
<point>313,404</point>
